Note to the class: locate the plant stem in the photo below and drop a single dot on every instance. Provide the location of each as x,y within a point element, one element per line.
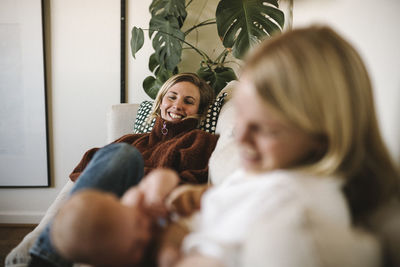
<point>201,53</point>
<point>223,56</point>
<point>204,23</point>
<point>233,62</point>
<point>188,4</point>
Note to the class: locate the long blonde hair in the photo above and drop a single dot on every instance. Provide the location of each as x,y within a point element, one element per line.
<point>206,93</point>
<point>318,81</point>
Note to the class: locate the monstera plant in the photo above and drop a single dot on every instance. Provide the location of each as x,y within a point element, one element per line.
<point>241,24</point>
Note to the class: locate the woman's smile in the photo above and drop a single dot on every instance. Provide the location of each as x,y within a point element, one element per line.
<point>175,116</point>
<point>180,101</point>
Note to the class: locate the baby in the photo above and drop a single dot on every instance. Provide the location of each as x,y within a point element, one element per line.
<point>120,238</point>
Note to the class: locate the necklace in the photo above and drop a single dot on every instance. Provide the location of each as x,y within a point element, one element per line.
<point>164,129</point>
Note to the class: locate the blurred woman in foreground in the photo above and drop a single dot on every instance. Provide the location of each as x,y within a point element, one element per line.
<point>315,167</point>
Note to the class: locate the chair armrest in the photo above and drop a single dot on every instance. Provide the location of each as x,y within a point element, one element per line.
<point>120,120</point>
<point>226,148</point>
<point>19,256</point>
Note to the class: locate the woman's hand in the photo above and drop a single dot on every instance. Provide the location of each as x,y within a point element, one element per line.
<point>169,243</point>
<point>185,199</point>
<point>156,186</point>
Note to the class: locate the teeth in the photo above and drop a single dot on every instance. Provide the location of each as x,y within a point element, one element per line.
<point>175,116</point>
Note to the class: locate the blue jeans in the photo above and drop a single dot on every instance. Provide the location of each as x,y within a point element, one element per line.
<point>114,169</point>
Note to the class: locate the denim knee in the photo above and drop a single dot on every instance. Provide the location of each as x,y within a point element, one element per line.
<point>114,168</point>
<point>123,154</point>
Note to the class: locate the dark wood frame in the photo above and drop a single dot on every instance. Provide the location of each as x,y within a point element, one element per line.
<point>123,51</point>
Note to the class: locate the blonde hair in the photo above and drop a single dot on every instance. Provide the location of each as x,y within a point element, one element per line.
<point>206,93</point>
<point>318,81</point>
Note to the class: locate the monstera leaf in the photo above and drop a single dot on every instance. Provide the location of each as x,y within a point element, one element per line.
<point>137,40</point>
<point>152,85</point>
<point>165,8</point>
<point>240,24</point>
<point>243,23</point>
<point>218,77</point>
<point>153,62</point>
<point>167,41</point>
<point>166,20</point>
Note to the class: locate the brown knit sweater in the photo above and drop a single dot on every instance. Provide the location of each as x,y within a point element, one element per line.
<point>184,149</point>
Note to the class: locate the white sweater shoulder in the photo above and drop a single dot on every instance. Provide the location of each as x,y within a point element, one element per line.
<point>281,218</point>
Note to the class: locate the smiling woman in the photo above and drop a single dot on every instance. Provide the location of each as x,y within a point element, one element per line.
<point>308,185</point>
<point>184,95</point>
<point>174,143</point>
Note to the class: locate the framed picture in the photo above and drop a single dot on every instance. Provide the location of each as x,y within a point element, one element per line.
<point>23,114</point>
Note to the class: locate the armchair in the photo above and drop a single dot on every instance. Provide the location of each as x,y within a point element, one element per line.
<point>120,120</point>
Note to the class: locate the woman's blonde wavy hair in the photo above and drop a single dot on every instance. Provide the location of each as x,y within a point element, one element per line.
<point>317,80</point>
<point>207,94</point>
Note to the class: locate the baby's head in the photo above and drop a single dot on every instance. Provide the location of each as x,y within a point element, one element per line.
<point>93,227</point>
<point>305,100</point>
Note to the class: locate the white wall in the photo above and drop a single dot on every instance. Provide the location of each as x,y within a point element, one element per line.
<point>139,16</point>
<point>83,81</point>
<point>374,29</point>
